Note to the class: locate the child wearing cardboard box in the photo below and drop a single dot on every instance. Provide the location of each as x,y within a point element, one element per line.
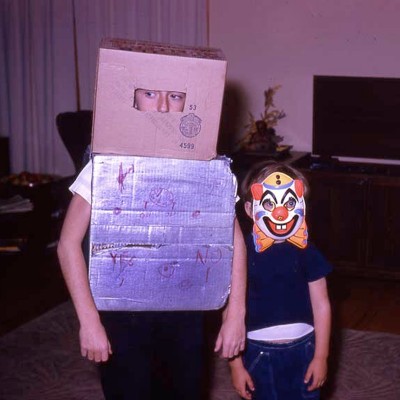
<point>124,342</point>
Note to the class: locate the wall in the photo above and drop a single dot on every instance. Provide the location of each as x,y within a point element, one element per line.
<point>270,42</point>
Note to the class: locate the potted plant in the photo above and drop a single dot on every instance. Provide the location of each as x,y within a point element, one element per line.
<point>260,134</point>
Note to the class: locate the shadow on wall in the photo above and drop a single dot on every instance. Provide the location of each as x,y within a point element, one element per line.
<point>233,118</point>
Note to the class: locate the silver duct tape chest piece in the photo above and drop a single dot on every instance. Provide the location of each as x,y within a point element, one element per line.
<point>161,233</point>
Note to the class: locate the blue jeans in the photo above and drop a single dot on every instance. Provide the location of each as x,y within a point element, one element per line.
<point>156,355</point>
<point>278,369</point>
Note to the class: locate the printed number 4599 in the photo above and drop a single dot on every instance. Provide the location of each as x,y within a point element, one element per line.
<point>189,146</point>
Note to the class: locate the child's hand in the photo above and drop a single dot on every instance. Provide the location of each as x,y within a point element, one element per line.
<point>231,338</point>
<point>317,371</point>
<point>242,382</point>
<point>94,342</point>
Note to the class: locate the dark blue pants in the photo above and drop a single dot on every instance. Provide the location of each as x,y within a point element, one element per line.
<point>156,355</point>
<point>278,369</point>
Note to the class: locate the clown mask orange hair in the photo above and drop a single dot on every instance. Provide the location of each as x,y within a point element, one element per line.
<point>279,211</point>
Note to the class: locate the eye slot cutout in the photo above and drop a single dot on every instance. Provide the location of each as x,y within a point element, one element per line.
<point>290,203</point>
<point>149,100</point>
<point>268,204</point>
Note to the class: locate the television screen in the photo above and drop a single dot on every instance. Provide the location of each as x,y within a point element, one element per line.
<point>356,117</point>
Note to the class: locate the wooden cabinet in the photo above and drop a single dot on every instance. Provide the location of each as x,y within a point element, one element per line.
<point>354,218</point>
<point>383,217</point>
<point>35,230</point>
<point>335,216</point>
<point>353,212</point>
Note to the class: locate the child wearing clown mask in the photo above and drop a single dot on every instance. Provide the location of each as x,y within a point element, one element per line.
<point>288,310</point>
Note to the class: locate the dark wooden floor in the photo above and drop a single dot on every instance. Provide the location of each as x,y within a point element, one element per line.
<point>31,285</point>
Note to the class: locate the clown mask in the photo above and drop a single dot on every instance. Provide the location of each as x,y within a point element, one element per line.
<point>278,211</point>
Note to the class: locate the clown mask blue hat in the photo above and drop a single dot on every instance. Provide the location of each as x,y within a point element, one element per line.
<point>279,211</point>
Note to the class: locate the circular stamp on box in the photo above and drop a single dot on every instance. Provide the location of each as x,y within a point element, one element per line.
<point>190,125</point>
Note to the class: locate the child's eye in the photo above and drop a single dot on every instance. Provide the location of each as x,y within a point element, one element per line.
<point>149,93</point>
<point>290,204</point>
<point>177,96</point>
<point>268,205</point>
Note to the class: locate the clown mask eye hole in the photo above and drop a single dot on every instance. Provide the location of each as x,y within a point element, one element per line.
<point>268,205</point>
<point>290,204</point>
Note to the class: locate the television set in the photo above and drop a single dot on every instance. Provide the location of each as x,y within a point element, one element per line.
<point>356,117</point>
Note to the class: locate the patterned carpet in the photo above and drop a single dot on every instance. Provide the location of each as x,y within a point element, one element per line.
<point>41,361</point>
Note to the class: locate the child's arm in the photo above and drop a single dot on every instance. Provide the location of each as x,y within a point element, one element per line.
<point>318,367</point>
<point>93,338</point>
<point>232,335</point>
<point>241,379</point>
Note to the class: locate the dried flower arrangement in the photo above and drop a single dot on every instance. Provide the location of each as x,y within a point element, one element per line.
<point>260,133</point>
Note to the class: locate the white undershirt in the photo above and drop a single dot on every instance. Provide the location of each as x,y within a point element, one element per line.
<point>281,332</point>
<point>83,183</point>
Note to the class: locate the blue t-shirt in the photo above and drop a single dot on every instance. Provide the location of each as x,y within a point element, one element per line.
<point>278,280</point>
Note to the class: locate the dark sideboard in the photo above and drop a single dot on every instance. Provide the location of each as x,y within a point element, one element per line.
<point>353,213</point>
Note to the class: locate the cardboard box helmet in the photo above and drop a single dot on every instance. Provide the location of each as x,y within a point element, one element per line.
<point>125,66</point>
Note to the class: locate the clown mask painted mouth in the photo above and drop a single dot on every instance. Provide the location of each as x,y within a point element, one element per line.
<point>279,229</point>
